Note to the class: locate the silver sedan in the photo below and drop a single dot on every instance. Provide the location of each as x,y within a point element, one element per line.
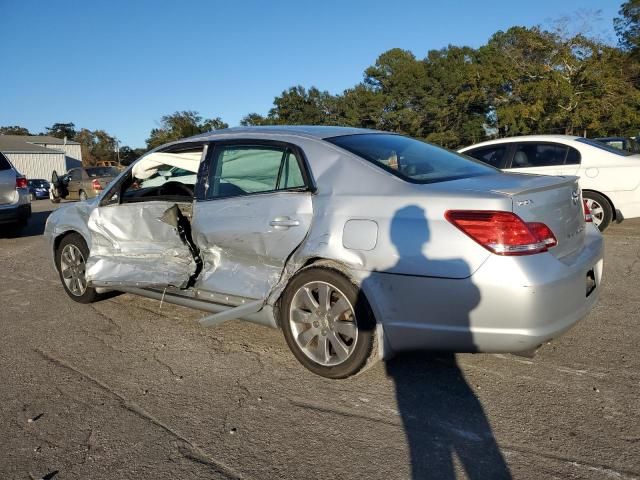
<point>357,244</point>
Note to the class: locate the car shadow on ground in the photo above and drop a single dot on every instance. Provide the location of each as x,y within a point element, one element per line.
<point>34,227</point>
<point>445,425</point>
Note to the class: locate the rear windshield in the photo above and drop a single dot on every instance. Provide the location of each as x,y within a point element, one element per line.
<point>410,159</point>
<point>4,163</point>
<point>38,183</point>
<point>604,146</point>
<point>102,172</point>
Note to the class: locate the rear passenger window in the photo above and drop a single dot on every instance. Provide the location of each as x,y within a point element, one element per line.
<point>4,163</point>
<point>242,170</point>
<point>539,155</point>
<point>494,155</point>
<point>573,157</point>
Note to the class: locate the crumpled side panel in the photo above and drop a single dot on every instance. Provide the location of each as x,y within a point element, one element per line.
<point>132,246</point>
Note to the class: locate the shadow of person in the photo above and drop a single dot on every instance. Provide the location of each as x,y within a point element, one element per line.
<point>442,417</point>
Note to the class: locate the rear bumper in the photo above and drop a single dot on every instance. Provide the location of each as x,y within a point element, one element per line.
<point>15,213</point>
<point>626,203</point>
<point>510,304</point>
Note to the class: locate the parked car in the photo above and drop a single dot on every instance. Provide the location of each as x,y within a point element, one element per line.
<point>81,183</point>
<point>609,177</point>
<point>15,205</point>
<point>38,189</point>
<point>358,244</point>
<point>622,143</point>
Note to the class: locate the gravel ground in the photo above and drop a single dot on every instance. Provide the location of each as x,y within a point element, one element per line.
<point>124,389</point>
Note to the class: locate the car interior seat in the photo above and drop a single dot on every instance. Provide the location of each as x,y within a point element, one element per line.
<point>520,159</point>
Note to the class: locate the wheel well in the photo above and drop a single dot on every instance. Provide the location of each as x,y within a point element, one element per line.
<point>613,208</point>
<point>59,238</point>
<point>320,262</point>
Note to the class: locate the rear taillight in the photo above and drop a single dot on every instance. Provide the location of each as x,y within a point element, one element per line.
<point>503,233</point>
<point>21,182</point>
<point>587,212</point>
<point>96,184</point>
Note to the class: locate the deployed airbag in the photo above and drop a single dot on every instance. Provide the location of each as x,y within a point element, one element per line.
<point>148,166</point>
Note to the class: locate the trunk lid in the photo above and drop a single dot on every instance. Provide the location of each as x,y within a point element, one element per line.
<point>559,206</point>
<point>555,201</point>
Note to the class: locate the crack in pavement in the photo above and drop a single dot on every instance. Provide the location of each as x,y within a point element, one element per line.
<point>193,453</point>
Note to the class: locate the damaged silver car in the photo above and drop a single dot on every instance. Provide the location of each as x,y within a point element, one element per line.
<point>357,244</point>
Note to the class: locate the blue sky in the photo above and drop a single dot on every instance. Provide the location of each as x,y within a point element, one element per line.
<point>120,65</point>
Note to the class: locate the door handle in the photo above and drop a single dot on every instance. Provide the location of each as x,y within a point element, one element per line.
<point>284,222</point>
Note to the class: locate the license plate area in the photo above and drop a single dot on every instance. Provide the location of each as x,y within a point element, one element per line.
<point>591,282</point>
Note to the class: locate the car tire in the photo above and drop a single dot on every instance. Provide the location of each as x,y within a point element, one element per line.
<point>601,209</point>
<point>334,340</point>
<point>83,196</point>
<point>67,252</point>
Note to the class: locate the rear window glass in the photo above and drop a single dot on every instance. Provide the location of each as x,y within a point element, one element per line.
<point>494,155</point>
<point>411,159</point>
<point>38,183</point>
<point>604,146</point>
<point>102,172</point>
<point>4,163</point>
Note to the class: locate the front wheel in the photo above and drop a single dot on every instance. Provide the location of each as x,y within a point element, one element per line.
<point>327,323</point>
<point>601,210</point>
<point>71,257</point>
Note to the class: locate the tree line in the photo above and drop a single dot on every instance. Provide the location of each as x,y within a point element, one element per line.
<point>522,81</point>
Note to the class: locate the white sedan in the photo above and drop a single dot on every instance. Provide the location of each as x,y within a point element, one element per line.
<point>609,177</point>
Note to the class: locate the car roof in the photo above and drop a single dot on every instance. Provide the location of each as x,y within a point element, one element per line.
<point>525,138</point>
<point>316,131</point>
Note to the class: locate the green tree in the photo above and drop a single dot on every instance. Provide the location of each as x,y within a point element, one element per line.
<point>298,106</point>
<point>541,82</point>
<point>627,27</point>
<point>61,130</point>
<point>128,155</point>
<point>14,130</point>
<point>253,119</point>
<point>180,125</point>
<point>96,146</point>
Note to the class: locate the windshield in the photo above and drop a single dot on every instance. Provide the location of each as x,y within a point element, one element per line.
<point>102,172</point>
<point>410,159</point>
<point>38,183</point>
<point>604,146</point>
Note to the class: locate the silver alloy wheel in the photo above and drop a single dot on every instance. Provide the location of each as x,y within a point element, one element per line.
<point>323,323</point>
<point>72,267</point>
<point>83,197</point>
<point>597,211</point>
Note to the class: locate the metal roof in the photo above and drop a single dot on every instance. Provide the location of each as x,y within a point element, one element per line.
<point>29,144</point>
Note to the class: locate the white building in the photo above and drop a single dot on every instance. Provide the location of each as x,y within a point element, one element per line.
<point>37,156</point>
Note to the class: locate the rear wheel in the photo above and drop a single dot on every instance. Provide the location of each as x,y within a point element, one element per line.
<point>83,196</point>
<point>71,257</point>
<point>601,210</point>
<point>327,323</point>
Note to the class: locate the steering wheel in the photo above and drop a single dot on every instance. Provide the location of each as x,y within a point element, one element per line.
<point>175,188</point>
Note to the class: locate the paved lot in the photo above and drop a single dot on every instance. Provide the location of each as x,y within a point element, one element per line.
<point>124,389</point>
